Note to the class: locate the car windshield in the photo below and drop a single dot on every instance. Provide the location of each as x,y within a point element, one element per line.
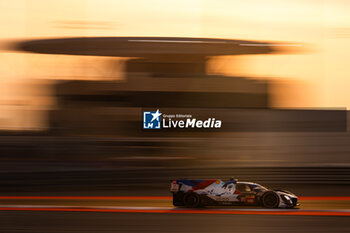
<point>258,186</point>
<point>243,187</point>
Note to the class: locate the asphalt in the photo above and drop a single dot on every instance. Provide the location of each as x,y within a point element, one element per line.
<point>99,222</point>
<point>306,203</point>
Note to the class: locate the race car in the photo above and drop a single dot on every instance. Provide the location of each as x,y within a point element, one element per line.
<point>215,192</point>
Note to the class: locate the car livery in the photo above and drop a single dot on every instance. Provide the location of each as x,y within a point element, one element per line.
<point>215,192</point>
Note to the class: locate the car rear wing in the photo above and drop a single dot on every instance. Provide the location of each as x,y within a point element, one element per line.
<point>175,186</point>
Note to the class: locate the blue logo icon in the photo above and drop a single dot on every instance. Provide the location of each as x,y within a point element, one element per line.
<point>151,120</point>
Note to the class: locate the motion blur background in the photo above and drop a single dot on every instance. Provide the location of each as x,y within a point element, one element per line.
<point>72,124</point>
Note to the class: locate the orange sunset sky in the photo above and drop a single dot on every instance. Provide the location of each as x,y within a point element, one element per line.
<point>316,77</point>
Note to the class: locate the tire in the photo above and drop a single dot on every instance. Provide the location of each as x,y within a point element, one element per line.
<point>270,200</point>
<point>192,200</point>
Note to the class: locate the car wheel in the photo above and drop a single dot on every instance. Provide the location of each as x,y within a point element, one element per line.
<point>270,200</point>
<point>192,200</point>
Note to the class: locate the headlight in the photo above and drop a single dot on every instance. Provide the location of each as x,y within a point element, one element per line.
<point>286,199</point>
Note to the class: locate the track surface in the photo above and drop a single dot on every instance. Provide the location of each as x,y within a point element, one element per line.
<point>169,210</point>
<point>97,222</point>
<point>78,214</point>
<point>313,206</point>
